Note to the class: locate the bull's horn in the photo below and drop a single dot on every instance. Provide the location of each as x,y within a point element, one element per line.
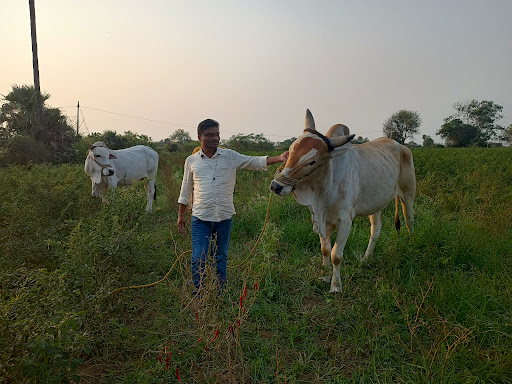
<point>341,140</point>
<point>310,122</point>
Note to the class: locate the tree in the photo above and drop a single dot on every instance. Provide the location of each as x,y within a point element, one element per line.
<point>507,134</point>
<point>18,117</point>
<point>480,115</point>
<point>180,136</point>
<point>251,142</point>
<point>401,125</point>
<point>458,134</point>
<point>360,140</point>
<point>427,141</point>
<point>286,143</point>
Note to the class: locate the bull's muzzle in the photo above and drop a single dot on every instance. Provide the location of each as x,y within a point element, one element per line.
<point>280,189</point>
<point>276,187</point>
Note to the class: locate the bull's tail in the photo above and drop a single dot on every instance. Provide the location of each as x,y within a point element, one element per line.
<point>154,194</point>
<point>397,218</point>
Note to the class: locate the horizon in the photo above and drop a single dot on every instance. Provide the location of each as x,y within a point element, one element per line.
<point>156,67</point>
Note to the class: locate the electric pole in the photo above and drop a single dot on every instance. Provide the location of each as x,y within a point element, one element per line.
<point>35,65</point>
<point>77,118</point>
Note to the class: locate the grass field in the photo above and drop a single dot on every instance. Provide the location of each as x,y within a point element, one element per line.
<point>432,308</point>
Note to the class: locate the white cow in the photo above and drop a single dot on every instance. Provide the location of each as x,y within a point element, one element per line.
<point>110,168</point>
<point>339,181</point>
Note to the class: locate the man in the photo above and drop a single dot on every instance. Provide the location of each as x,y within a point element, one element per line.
<point>209,181</point>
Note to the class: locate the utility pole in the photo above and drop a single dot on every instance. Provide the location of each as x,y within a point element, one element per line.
<point>77,118</point>
<point>35,61</point>
<point>35,65</point>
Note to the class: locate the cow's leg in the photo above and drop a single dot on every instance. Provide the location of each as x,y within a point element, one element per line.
<point>344,226</point>
<point>376,222</point>
<point>408,212</point>
<point>325,245</point>
<point>149,185</point>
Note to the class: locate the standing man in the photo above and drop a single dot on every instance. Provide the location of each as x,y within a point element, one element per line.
<point>209,181</point>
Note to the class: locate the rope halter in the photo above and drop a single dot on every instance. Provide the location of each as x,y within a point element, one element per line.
<point>103,166</point>
<point>278,176</point>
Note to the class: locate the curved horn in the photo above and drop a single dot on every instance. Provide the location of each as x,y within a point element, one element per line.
<point>341,140</point>
<point>310,122</point>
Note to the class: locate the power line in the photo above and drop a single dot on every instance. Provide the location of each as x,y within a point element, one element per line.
<point>140,118</point>
<point>177,124</point>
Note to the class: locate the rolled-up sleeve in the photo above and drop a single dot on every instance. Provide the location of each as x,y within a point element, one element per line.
<point>187,186</point>
<point>256,163</point>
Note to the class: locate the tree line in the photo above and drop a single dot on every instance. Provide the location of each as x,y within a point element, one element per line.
<point>32,134</point>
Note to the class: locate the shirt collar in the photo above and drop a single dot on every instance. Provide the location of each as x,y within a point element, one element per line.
<point>217,153</point>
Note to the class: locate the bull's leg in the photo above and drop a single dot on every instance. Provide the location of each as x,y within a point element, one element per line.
<point>150,193</point>
<point>325,245</point>
<point>344,226</point>
<point>376,223</point>
<point>408,212</point>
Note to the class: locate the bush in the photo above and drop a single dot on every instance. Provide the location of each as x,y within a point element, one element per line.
<point>23,150</point>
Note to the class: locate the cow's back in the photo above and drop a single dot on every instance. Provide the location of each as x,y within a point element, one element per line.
<point>136,162</point>
<point>378,167</point>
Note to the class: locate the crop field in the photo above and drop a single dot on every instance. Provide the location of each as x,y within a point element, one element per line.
<point>435,307</point>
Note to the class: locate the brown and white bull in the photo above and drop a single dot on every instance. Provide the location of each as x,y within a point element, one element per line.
<point>110,168</point>
<point>339,181</point>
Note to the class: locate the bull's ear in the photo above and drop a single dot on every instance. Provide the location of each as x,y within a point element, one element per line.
<point>310,122</point>
<point>111,156</point>
<point>341,140</point>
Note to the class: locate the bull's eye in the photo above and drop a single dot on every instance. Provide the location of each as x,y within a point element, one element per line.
<point>312,163</point>
<point>98,156</point>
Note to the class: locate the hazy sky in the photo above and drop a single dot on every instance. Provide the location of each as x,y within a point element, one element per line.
<point>255,66</point>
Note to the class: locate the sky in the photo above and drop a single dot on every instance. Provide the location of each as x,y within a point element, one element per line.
<point>155,66</point>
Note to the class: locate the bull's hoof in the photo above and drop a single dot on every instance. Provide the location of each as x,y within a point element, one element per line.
<point>335,290</point>
<point>325,279</point>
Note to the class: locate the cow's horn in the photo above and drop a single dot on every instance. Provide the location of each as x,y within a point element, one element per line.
<point>310,122</point>
<point>341,140</point>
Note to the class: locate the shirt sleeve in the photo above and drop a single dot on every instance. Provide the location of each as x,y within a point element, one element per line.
<point>187,185</point>
<point>255,163</point>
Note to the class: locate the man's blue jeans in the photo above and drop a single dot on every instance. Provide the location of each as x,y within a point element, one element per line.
<point>204,233</point>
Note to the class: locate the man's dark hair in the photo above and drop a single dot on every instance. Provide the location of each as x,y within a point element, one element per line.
<point>205,124</point>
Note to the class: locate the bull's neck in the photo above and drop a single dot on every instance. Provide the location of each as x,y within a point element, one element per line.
<point>314,187</point>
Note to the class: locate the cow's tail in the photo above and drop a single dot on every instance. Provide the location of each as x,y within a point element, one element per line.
<point>397,218</point>
<point>154,194</point>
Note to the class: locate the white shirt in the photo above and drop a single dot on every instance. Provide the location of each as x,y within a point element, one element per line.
<point>212,181</point>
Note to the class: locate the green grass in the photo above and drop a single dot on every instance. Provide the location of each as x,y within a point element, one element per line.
<point>431,308</point>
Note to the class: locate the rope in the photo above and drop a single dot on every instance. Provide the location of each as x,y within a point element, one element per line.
<point>259,238</point>
<point>156,282</point>
<point>184,253</point>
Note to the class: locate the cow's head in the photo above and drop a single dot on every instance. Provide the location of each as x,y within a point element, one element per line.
<point>98,167</point>
<point>307,153</point>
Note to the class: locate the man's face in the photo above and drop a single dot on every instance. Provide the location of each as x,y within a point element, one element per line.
<point>210,138</point>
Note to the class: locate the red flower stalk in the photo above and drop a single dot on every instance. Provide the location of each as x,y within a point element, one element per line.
<point>159,358</point>
<point>167,365</point>
<point>245,292</point>
<point>216,334</point>
<point>178,375</point>
<point>241,301</point>
<point>198,340</point>
<point>255,287</point>
<point>197,317</point>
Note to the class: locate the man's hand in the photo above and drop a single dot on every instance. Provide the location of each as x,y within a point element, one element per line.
<point>278,159</point>
<point>181,224</point>
<point>284,156</point>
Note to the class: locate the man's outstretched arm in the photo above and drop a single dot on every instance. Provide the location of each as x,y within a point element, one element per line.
<point>277,159</point>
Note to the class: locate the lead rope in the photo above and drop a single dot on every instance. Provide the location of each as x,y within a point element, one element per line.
<point>231,267</point>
